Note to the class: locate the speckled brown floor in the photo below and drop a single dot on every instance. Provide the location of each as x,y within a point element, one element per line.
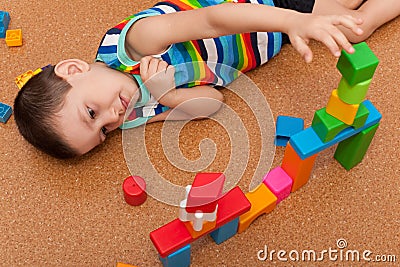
<point>72,213</point>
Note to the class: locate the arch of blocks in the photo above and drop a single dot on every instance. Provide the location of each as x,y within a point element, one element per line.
<point>348,120</point>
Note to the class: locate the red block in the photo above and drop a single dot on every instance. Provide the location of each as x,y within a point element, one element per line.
<point>134,188</point>
<point>205,192</point>
<point>174,235</point>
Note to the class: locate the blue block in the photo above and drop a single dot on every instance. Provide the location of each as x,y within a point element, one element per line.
<point>5,112</point>
<point>4,22</point>
<point>281,141</point>
<point>287,126</point>
<point>225,232</point>
<point>307,143</point>
<point>180,258</point>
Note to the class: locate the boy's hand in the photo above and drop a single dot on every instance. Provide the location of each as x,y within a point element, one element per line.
<point>324,29</point>
<point>157,76</point>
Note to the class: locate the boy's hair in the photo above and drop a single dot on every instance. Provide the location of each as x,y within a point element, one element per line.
<point>34,111</point>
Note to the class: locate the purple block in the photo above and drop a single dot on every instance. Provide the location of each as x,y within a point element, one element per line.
<point>279,182</point>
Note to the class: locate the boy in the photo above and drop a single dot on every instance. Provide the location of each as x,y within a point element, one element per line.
<point>73,105</point>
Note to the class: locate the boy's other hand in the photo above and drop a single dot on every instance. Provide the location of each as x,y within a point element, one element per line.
<point>157,76</point>
<point>305,27</point>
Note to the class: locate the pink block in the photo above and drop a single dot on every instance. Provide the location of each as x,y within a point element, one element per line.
<point>279,182</point>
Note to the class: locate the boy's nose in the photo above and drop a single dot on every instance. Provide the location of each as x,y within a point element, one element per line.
<point>113,118</point>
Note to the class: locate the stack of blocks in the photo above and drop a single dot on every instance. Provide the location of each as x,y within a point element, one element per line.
<point>348,120</point>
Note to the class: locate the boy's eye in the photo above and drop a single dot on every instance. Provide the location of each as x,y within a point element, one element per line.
<point>91,112</point>
<point>104,130</point>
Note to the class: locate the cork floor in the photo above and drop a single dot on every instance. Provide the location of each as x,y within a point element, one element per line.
<point>72,213</point>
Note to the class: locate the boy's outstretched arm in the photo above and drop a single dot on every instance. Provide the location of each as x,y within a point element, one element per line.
<point>152,35</point>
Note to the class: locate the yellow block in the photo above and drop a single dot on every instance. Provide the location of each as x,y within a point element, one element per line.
<point>124,265</point>
<point>341,110</point>
<point>262,201</point>
<point>14,37</point>
<point>207,226</point>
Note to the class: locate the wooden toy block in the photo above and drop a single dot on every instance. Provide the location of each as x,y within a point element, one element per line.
<point>205,191</point>
<point>307,142</point>
<point>287,126</point>
<point>279,182</point>
<point>4,22</point>
<point>298,169</point>
<point>206,227</point>
<point>119,264</point>
<point>180,258</point>
<point>341,110</point>
<point>262,201</point>
<point>225,232</point>
<point>327,127</point>
<point>5,112</point>
<point>14,37</point>
<point>175,235</point>
<point>134,188</point>
<point>353,94</point>
<point>359,66</point>
<point>351,151</point>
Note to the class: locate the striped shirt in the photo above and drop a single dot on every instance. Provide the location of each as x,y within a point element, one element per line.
<point>214,61</point>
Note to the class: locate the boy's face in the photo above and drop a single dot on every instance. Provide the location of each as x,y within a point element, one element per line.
<point>95,105</point>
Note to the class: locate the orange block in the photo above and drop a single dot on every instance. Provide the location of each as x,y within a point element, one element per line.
<point>341,110</point>
<point>262,201</point>
<point>299,170</point>
<point>207,226</point>
<point>14,37</point>
<point>119,264</point>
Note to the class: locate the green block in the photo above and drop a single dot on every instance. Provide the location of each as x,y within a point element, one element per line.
<point>327,127</point>
<point>351,151</point>
<point>361,116</point>
<point>353,94</point>
<point>359,66</point>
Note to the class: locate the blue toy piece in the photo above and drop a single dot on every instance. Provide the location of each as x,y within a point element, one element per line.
<point>225,231</point>
<point>307,143</point>
<point>4,22</point>
<point>287,126</point>
<point>5,112</point>
<point>180,258</point>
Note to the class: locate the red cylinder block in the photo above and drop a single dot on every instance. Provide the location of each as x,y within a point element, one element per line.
<point>134,190</point>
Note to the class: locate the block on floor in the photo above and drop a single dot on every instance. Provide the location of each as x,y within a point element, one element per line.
<point>179,258</point>
<point>298,169</point>
<point>279,182</point>
<point>351,151</point>
<point>225,232</point>
<point>5,112</point>
<point>14,37</point>
<point>262,201</point>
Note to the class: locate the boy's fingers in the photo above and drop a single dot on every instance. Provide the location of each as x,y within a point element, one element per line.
<point>349,22</point>
<point>144,67</point>
<point>341,39</point>
<point>330,42</point>
<point>300,45</point>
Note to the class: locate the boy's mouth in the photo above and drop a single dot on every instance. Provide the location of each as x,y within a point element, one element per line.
<point>124,102</point>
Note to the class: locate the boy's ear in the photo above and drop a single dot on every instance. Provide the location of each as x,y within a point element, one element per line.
<point>70,67</point>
